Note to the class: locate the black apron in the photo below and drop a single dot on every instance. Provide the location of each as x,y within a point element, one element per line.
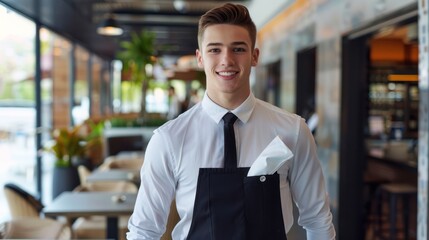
<point>230,205</point>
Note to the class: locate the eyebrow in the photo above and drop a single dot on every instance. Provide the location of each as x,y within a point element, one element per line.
<point>233,44</point>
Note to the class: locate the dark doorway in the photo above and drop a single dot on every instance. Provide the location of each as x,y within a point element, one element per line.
<point>305,82</point>
<point>353,93</point>
<point>272,88</point>
<point>354,119</point>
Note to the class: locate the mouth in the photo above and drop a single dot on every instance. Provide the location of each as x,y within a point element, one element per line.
<point>227,74</point>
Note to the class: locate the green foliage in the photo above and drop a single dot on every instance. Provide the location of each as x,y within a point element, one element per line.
<point>122,122</point>
<point>155,122</point>
<point>68,143</point>
<point>81,89</point>
<point>75,142</point>
<point>23,90</point>
<point>136,122</point>
<point>27,90</point>
<point>94,134</point>
<point>130,91</point>
<point>136,53</point>
<point>155,84</point>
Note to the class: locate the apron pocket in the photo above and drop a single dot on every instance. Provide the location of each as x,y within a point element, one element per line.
<point>264,218</point>
<point>219,205</point>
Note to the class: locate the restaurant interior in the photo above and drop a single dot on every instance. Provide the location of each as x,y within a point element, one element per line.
<point>79,103</point>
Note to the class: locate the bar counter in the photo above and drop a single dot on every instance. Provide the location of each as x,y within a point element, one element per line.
<point>406,160</point>
<point>392,161</point>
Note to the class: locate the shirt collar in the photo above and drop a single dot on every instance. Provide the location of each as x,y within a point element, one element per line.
<point>216,112</point>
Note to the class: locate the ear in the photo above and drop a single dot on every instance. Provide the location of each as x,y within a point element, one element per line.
<point>199,56</point>
<point>255,57</point>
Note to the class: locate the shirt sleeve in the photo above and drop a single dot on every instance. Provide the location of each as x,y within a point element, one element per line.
<point>308,188</point>
<point>156,192</point>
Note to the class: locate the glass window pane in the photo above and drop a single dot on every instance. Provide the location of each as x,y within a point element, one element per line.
<point>55,54</point>
<point>96,87</point>
<point>81,100</point>
<point>17,104</point>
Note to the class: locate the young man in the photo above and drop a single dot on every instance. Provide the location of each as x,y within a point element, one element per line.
<point>185,158</point>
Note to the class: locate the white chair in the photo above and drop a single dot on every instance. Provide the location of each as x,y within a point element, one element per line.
<point>102,186</point>
<point>94,227</point>
<point>34,228</point>
<point>116,162</point>
<point>173,219</point>
<point>27,221</point>
<point>83,172</point>
<point>21,203</point>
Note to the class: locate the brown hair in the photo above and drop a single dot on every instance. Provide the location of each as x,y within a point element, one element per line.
<point>228,13</point>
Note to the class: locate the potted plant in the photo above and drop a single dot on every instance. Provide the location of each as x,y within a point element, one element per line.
<point>71,147</point>
<point>135,55</point>
<point>68,145</point>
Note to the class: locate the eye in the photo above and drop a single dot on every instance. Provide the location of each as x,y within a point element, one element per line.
<point>239,49</point>
<point>213,50</point>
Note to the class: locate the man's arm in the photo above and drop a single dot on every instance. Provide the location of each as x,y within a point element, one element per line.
<point>155,194</point>
<point>308,189</point>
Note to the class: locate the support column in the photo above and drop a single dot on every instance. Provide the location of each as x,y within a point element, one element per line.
<point>422,199</point>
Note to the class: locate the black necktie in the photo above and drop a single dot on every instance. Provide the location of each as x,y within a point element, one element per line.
<point>230,153</point>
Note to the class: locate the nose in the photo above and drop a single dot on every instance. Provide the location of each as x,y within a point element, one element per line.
<point>227,58</point>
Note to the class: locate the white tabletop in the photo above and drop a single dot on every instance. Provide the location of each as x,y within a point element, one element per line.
<point>80,204</point>
<point>114,175</point>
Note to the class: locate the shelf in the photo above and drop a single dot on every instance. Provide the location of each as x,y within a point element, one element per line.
<point>395,102</point>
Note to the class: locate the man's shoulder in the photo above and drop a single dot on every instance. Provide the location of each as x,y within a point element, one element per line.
<point>272,109</point>
<point>180,122</point>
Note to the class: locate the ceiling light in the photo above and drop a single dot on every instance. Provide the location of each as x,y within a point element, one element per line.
<point>181,5</point>
<point>109,27</point>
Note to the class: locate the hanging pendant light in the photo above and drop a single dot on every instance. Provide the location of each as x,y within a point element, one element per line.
<point>109,27</point>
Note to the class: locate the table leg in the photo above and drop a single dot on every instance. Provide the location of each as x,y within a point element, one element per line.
<point>112,230</point>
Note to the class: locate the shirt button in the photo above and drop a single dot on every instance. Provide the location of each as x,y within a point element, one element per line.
<point>262,178</point>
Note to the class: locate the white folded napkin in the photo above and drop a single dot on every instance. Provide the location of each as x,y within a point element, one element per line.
<point>271,158</point>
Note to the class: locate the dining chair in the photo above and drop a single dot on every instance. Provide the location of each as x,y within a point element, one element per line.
<point>108,186</point>
<point>94,227</point>
<point>173,219</point>
<point>117,162</point>
<point>21,203</point>
<point>34,228</point>
<point>102,186</point>
<point>83,173</point>
<point>27,222</point>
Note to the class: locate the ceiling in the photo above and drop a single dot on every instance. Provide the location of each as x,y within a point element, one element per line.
<point>407,33</point>
<point>174,22</point>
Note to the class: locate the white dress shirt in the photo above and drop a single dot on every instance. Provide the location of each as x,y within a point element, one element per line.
<point>194,140</point>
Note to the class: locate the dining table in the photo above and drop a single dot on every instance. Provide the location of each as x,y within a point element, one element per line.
<point>115,175</point>
<point>83,204</point>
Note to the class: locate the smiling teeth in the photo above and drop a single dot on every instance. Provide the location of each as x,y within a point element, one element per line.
<point>226,73</point>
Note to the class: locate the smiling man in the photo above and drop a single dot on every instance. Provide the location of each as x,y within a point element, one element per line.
<point>227,54</point>
<point>202,158</point>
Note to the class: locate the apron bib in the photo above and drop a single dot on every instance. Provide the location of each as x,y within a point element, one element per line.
<point>230,205</point>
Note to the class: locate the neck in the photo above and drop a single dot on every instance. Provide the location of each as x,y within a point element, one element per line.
<point>228,101</point>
